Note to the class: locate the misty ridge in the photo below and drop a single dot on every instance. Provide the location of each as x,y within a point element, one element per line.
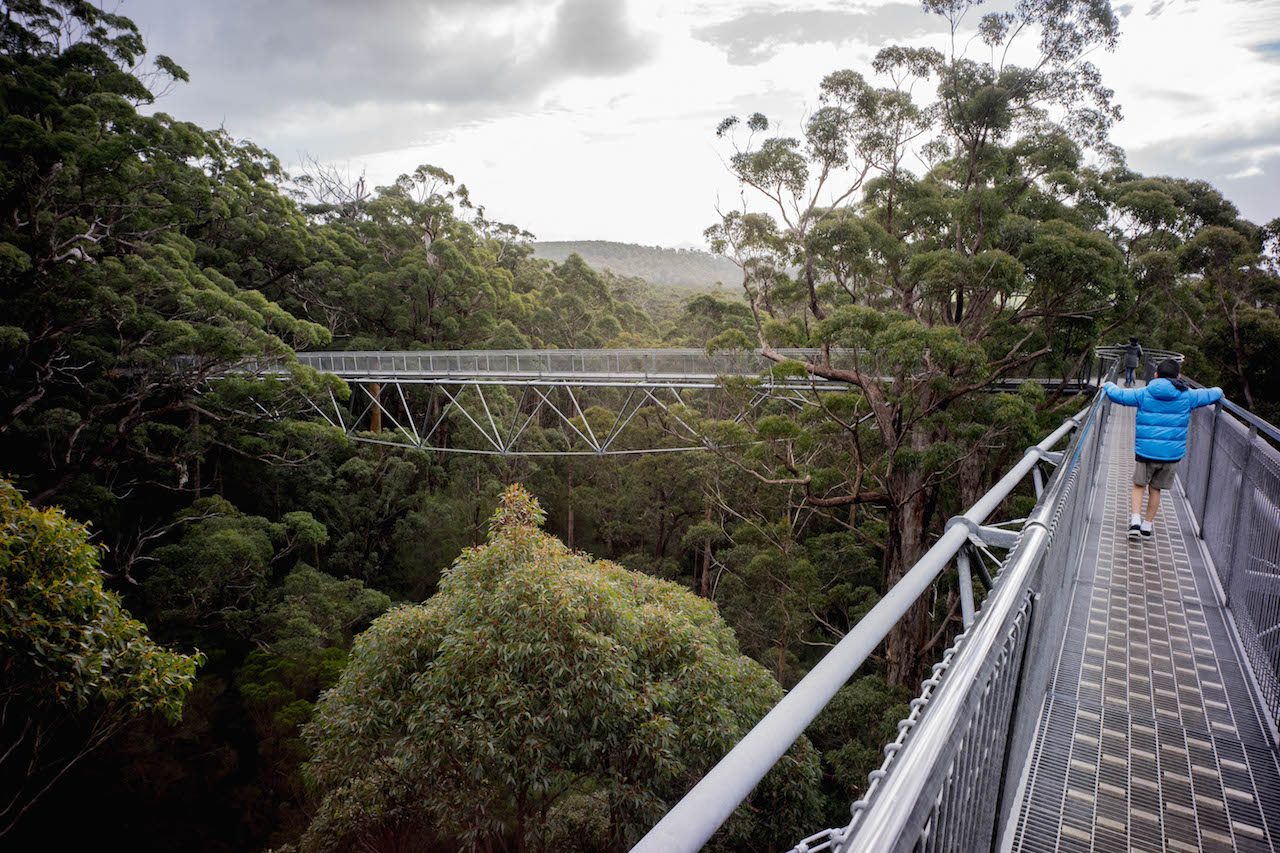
<point>690,268</point>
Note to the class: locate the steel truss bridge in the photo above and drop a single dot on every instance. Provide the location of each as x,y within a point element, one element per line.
<point>404,398</point>
<point>1110,694</point>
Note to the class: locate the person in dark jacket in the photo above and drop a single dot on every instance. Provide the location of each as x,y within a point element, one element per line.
<point>1160,435</point>
<point>1132,358</point>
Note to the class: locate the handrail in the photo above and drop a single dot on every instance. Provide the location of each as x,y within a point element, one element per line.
<point>1116,350</point>
<point>1264,427</point>
<point>1231,476</point>
<point>693,820</point>
<point>599,363</point>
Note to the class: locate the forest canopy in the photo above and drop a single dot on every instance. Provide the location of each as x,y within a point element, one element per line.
<point>237,629</point>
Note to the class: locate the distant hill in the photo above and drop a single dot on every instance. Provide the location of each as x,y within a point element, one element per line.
<point>683,267</point>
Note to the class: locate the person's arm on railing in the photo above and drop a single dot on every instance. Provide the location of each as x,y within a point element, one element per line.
<point>1123,396</point>
<point>1205,396</point>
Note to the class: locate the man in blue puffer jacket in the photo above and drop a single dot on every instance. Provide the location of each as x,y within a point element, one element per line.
<point>1164,410</point>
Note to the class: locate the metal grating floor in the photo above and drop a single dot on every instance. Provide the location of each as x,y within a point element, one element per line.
<point>1150,738</point>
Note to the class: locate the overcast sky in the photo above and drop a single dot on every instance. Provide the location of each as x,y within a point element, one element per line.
<point>595,119</point>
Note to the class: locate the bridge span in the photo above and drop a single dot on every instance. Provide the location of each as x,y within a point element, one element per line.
<point>499,393</point>
<point>1110,694</point>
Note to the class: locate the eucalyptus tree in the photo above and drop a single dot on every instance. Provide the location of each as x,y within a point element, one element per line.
<point>124,241</point>
<point>1240,296</point>
<point>1206,278</point>
<point>78,667</point>
<point>936,243</point>
<point>540,700</point>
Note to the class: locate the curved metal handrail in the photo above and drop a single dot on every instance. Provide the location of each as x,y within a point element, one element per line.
<point>1117,350</point>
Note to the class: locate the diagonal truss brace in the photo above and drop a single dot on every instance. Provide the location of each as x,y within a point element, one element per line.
<point>501,437</point>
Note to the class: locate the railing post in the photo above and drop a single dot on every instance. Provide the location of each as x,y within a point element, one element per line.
<point>966,586</point>
<point>1208,471</point>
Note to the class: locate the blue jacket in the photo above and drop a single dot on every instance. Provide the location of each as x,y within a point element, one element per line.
<point>1164,410</point>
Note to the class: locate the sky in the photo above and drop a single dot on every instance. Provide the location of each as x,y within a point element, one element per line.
<point>595,119</point>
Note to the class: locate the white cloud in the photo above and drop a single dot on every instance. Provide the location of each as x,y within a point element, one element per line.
<point>1199,99</point>
<point>614,138</point>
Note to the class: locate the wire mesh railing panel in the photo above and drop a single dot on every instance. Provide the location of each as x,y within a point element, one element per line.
<point>974,773</point>
<point>1231,475</point>
<point>1228,457</point>
<point>1254,588</point>
<point>1194,470</point>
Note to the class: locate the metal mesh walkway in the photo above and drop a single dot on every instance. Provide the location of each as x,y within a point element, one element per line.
<point>1150,738</point>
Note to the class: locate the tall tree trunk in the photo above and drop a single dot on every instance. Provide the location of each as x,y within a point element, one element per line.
<point>971,483</point>
<point>704,583</point>
<point>569,523</point>
<point>906,544</point>
<point>477,519</point>
<point>195,427</point>
<point>375,413</point>
<point>904,547</point>
<point>660,542</point>
<point>781,667</point>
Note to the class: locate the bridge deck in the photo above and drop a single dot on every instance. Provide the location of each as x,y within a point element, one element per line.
<point>1150,738</point>
<point>678,368</point>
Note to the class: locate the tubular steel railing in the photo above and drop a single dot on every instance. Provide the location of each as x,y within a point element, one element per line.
<point>935,773</point>
<point>1231,476</point>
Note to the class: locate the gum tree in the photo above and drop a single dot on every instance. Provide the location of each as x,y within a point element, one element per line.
<point>77,667</point>
<point>938,244</point>
<point>540,697</point>
<point>129,245</point>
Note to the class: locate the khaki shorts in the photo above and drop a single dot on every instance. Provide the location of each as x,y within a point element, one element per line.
<point>1157,475</point>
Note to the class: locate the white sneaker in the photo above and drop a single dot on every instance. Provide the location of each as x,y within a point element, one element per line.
<point>1145,529</point>
<point>1135,526</point>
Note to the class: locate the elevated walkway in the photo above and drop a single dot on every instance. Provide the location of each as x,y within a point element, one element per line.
<point>498,393</point>
<point>1110,694</point>
<point>679,368</point>
<point>1151,736</point>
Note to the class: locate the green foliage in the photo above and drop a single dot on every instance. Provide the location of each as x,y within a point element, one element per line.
<point>77,667</point>
<point>131,244</point>
<point>69,642</point>
<point>538,680</point>
<point>310,612</point>
<point>278,695</point>
<point>218,573</point>
<point>851,733</point>
<point>709,317</point>
<point>789,597</point>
